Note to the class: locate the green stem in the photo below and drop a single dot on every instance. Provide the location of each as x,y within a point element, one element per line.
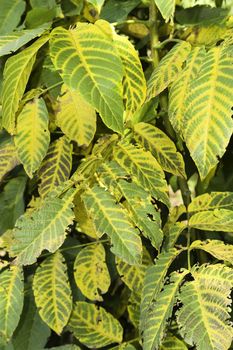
<point>160,45</point>
<point>154,37</point>
<point>50,88</point>
<point>78,246</point>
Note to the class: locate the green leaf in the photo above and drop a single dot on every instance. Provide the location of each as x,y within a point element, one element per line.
<point>204,317</point>
<point>52,292</point>
<point>143,168</point>
<point>8,157</point>
<point>180,89</point>
<point>65,347</point>
<point>172,343</point>
<point>97,3</point>
<point>134,83</point>
<point>16,74</point>
<point>131,275</point>
<point>113,11</point>
<point>143,213</point>
<point>172,233</point>
<point>133,309</point>
<point>32,332</point>
<point>93,326</point>
<point>215,220</point>
<point>75,117</point>
<point>168,69</point>
<point>11,12</point>
<point>13,41</point>
<point>160,311</point>
<point>218,249</point>
<point>109,217</point>
<point>167,8</point>
<point>211,201</point>
<point>11,301</point>
<point>153,282</point>
<point>208,113</point>
<point>12,202</point>
<point>91,272</point>
<point>93,55</point>
<point>56,166</point>
<point>47,226</point>
<point>32,135</point>
<point>161,147</point>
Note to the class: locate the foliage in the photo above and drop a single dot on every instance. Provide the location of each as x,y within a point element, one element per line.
<point>116,191</point>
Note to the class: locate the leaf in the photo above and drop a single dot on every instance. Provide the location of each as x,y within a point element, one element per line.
<point>52,292</point>
<point>143,168</point>
<point>160,311</point>
<point>32,136</point>
<point>56,166</point>
<point>11,12</point>
<point>133,309</point>
<point>215,220</point>
<point>11,301</point>
<point>161,147</point>
<point>8,157</point>
<point>97,3</point>
<point>172,343</point>
<point>75,117</point>
<point>93,326</point>
<point>113,11</point>
<point>66,347</point>
<point>172,233</point>
<point>93,56</point>
<point>143,212</point>
<point>91,272</point>
<point>218,249</point>
<point>211,201</point>
<point>203,318</point>
<point>32,332</point>
<point>167,8</point>
<point>12,42</point>
<point>153,282</point>
<point>134,83</point>
<point>109,217</point>
<point>12,202</point>
<point>131,275</point>
<point>16,74</point>
<point>208,112</point>
<point>168,69</point>
<point>180,88</point>
<point>47,227</point>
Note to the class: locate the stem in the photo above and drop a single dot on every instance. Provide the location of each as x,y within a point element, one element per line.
<point>77,246</point>
<point>154,37</point>
<point>160,45</point>
<point>50,88</point>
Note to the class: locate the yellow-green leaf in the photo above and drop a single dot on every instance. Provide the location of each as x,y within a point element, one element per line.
<point>204,316</point>
<point>161,147</point>
<point>93,326</point>
<point>16,74</point>
<point>208,116</point>
<point>134,82</point>
<point>110,218</point>
<point>32,135</point>
<point>93,55</point>
<point>211,201</point>
<point>91,272</point>
<point>8,157</point>
<point>218,249</point>
<point>180,89</point>
<point>167,8</point>
<point>75,117</point>
<point>52,292</point>
<point>168,69</point>
<point>143,168</point>
<point>47,227</point>
<point>171,342</point>
<point>56,166</point>
<point>214,220</point>
<point>11,301</point>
